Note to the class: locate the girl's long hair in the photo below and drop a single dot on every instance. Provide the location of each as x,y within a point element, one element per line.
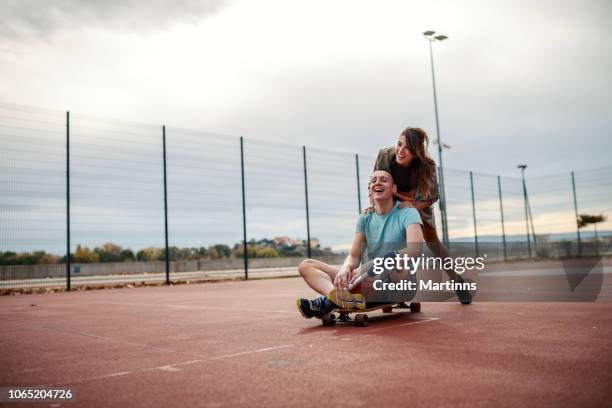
<point>423,166</point>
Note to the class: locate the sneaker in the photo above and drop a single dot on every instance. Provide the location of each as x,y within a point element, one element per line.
<point>465,296</point>
<point>314,308</point>
<point>347,300</point>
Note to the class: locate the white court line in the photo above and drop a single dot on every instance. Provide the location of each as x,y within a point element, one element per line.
<point>212,309</point>
<point>98,377</point>
<point>169,367</point>
<point>420,320</point>
<point>249,352</point>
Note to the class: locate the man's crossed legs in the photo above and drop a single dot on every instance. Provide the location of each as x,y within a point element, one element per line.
<point>320,277</point>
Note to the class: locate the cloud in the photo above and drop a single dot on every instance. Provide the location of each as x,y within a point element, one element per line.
<point>25,18</point>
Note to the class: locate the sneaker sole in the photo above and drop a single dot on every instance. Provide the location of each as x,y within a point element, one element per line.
<point>465,301</point>
<point>468,296</point>
<point>347,300</point>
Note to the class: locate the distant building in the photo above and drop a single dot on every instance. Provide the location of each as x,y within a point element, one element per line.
<point>289,242</point>
<point>283,241</point>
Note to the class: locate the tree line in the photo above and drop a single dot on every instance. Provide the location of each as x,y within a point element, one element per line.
<point>110,252</point>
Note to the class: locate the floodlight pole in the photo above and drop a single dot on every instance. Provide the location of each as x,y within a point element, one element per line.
<point>429,35</point>
<point>523,167</point>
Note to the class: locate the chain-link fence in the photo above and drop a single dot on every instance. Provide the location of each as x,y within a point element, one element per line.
<point>141,203</point>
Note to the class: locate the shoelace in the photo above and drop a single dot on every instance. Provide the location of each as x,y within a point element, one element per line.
<point>317,304</point>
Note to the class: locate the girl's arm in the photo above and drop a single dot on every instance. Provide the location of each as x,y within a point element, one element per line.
<point>408,200</point>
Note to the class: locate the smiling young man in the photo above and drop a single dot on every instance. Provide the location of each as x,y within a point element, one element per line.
<point>387,226</point>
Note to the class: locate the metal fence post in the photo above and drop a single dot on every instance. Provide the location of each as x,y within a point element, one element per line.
<point>166,208</point>
<point>526,214</point>
<point>68,265</point>
<point>442,206</point>
<point>576,210</point>
<point>501,211</point>
<point>474,212</point>
<point>533,234</point>
<point>307,210</point>
<point>358,185</point>
<point>245,255</point>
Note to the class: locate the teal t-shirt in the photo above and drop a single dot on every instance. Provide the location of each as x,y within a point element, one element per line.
<point>385,233</point>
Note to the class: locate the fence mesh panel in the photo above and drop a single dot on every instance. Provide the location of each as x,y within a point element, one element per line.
<point>117,214</point>
<point>116,183</point>
<point>32,197</point>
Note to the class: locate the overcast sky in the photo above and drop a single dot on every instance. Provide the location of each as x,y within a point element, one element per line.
<point>518,81</point>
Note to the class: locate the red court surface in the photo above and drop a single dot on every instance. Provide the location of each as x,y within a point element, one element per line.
<point>244,344</point>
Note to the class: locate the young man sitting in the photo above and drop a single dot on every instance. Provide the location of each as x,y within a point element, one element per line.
<point>387,225</point>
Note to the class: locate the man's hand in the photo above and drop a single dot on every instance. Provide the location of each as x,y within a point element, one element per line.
<point>342,277</point>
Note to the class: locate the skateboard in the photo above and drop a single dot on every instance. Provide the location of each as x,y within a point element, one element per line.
<point>361,316</point>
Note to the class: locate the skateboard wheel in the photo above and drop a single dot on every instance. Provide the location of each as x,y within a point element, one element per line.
<point>387,309</point>
<point>415,307</point>
<point>344,317</point>
<point>361,320</point>
<point>329,319</point>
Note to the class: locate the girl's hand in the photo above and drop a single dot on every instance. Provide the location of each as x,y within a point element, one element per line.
<point>406,197</point>
<point>367,210</point>
<point>407,204</point>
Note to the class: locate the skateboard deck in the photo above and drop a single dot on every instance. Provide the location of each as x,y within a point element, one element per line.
<point>361,315</point>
